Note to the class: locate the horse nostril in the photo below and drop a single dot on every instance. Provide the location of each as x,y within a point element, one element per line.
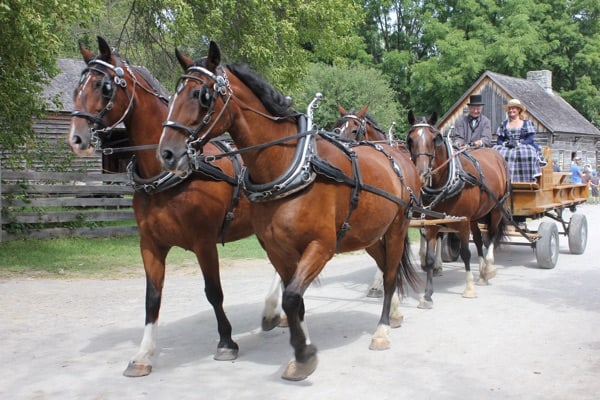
<point>76,140</point>
<point>167,155</point>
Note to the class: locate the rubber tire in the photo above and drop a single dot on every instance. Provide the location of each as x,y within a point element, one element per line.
<point>578,233</point>
<point>450,247</point>
<point>546,248</point>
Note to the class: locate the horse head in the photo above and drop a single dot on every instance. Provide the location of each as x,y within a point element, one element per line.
<point>426,146</point>
<point>357,125</point>
<point>108,93</point>
<point>196,110</point>
<point>100,99</point>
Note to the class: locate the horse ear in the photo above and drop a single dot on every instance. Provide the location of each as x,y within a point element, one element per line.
<point>87,55</point>
<point>363,111</point>
<point>433,118</point>
<point>342,110</point>
<point>184,60</point>
<point>411,117</point>
<point>104,48</point>
<point>214,57</point>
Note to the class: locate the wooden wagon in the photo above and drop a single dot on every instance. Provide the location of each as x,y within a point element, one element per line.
<point>549,197</point>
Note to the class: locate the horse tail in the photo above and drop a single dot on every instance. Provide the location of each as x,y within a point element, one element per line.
<point>407,271</point>
<point>501,232</point>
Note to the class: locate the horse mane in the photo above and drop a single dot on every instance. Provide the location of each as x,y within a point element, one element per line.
<point>273,100</point>
<point>154,83</point>
<point>277,104</point>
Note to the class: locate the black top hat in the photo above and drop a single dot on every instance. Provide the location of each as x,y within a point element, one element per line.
<point>475,100</point>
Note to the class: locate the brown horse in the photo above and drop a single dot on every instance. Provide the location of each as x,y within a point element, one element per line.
<point>358,125</point>
<point>194,212</point>
<point>312,196</point>
<point>474,184</point>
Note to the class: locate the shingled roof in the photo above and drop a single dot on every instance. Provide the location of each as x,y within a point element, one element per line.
<point>66,81</point>
<point>63,84</point>
<point>550,109</point>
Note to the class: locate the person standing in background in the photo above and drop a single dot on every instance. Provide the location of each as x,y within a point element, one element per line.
<point>576,174</point>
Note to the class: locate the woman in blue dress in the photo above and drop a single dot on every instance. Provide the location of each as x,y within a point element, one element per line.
<point>516,142</point>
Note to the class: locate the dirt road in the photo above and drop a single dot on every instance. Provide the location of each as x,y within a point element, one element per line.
<point>531,334</point>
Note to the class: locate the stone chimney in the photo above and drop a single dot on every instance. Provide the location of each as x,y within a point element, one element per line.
<point>542,78</point>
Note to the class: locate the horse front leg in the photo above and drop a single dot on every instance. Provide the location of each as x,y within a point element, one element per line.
<point>153,257</point>
<point>208,259</point>
<point>305,361</point>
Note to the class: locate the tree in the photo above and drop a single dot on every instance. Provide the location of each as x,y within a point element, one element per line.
<point>351,87</point>
<point>31,36</point>
<point>448,44</point>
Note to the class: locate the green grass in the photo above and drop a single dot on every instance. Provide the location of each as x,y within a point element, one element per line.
<point>97,257</point>
<point>104,257</point>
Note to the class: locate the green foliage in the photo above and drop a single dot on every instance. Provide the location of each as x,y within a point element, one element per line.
<point>351,87</point>
<point>31,36</point>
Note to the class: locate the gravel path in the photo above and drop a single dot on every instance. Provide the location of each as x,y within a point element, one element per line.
<point>531,334</point>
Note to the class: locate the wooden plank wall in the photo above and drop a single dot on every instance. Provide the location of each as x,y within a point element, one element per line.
<point>53,204</point>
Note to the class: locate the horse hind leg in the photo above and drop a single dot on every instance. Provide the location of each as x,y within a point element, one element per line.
<point>465,255</point>
<point>487,270</point>
<point>271,318</point>
<point>426,301</point>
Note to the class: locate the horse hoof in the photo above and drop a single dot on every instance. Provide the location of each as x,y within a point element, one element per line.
<point>379,343</point>
<point>135,370</point>
<point>469,294</point>
<point>270,323</point>
<point>482,282</point>
<point>425,304</point>
<point>297,371</point>
<point>283,321</point>
<point>225,354</point>
<point>396,322</point>
<point>490,273</point>
<point>375,293</point>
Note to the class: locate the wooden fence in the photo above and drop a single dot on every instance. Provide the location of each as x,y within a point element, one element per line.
<point>52,204</point>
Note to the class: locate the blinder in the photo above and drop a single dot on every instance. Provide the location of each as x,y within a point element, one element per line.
<point>107,86</point>
<point>206,101</point>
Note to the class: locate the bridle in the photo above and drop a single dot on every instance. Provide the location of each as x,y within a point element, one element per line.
<point>207,100</point>
<point>428,176</point>
<point>360,132</point>
<point>108,87</point>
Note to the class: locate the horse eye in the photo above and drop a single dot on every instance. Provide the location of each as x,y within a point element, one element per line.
<point>107,88</point>
<point>204,97</point>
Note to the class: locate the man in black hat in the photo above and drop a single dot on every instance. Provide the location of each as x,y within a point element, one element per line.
<point>474,129</point>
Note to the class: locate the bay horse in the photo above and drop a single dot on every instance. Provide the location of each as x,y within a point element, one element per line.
<point>474,184</point>
<point>194,212</point>
<point>360,126</point>
<point>311,196</point>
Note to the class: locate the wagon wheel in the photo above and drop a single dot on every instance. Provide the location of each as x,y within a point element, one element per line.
<point>577,232</point>
<point>450,247</point>
<point>546,248</point>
